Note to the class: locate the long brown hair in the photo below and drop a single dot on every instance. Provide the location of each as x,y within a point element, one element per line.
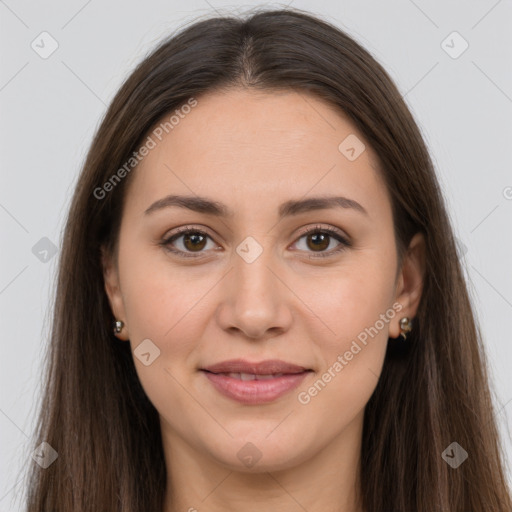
<point>433,390</point>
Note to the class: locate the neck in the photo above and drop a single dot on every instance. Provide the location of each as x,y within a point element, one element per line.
<point>327,481</point>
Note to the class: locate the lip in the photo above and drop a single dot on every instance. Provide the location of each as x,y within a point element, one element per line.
<point>253,392</point>
<point>270,366</point>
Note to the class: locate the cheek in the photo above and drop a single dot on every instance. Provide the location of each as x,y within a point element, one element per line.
<point>358,311</point>
<point>163,306</point>
<point>159,296</point>
<point>163,309</point>
<point>357,297</point>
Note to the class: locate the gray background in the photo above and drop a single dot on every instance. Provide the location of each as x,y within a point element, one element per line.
<point>51,107</point>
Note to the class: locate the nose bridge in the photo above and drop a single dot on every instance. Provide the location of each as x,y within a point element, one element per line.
<point>252,273</point>
<point>255,302</point>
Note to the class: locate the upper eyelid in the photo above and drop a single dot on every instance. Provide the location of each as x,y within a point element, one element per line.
<point>329,229</point>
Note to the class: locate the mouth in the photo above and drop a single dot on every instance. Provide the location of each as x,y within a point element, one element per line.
<point>255,383</point>
<point>251,376</point>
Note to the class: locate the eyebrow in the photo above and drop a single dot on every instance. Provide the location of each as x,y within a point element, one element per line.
<point>287,209</point>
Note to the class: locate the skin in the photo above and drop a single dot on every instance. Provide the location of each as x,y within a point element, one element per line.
<point>253,151</point>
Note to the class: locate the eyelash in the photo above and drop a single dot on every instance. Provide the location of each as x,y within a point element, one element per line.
<point>344,243</point>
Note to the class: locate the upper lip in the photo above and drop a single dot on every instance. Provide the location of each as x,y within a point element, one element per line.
<point>267,367</point>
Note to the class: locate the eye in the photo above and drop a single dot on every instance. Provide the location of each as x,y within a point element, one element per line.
<point>194,241</point>
<point>319,239</point>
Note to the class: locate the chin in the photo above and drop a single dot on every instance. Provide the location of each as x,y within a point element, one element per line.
<point>249,455</point>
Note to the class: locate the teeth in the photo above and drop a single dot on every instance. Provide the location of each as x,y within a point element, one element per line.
<point>251,376</point>
<point>266,377</point>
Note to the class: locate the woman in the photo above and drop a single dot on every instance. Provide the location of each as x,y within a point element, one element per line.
<point>260,304</point>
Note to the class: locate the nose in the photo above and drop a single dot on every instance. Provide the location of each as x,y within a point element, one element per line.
<point>255,301</point>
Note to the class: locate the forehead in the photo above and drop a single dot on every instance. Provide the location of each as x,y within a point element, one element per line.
<point>269,146</point>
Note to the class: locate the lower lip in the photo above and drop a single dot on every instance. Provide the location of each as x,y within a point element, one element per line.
<point>255,391</point>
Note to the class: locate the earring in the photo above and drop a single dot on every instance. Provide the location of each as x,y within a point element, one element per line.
<point>118,326</point>
<point>405,326</point>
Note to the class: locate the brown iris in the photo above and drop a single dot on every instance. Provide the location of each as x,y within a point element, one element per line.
<point>196,241</point>
<point>321,241</point>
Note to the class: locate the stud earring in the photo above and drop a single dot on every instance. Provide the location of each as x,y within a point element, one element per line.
<point>118,326</point>
<point>405,327</point>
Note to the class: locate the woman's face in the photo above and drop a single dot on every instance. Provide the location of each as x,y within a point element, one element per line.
<point>251,173</point>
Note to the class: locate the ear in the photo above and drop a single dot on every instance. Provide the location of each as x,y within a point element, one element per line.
<point>113,290</point>
<point>410,283</point>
